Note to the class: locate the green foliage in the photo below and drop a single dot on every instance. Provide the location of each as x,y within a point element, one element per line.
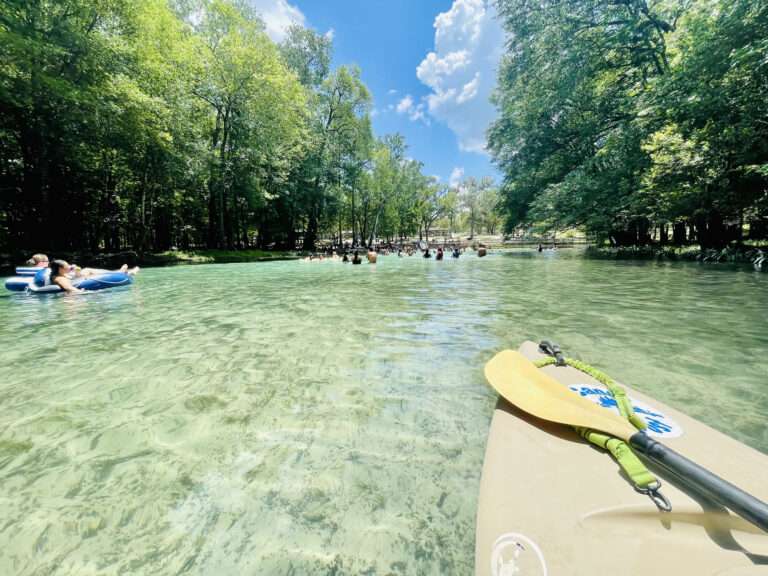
<point>622,117</point>
<point>152,124</point>
<point>308,54</point>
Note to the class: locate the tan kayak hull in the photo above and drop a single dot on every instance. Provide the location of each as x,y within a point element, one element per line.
<point>551,504</point>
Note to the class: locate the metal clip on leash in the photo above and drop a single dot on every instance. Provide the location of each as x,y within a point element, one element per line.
<point>653,492</point>
<point>553,350</point>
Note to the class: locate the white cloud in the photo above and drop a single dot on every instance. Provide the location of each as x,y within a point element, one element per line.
<point>469,90</point>
<point>278,15</point>
<point>392,92</point>
<point>414,111</point>
<point>456,175</point>
<point>330,35</point>
<point>432,70</point>
<point>405,104</point>
<point>461,71</point>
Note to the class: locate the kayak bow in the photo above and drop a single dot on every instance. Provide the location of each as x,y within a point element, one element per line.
<point>521,383</point>
<point>550,503</point>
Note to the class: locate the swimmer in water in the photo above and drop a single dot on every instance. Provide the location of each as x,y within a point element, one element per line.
<point>59,276</point>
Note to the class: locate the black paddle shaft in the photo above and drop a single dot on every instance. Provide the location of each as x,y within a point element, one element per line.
<point>730,496</point>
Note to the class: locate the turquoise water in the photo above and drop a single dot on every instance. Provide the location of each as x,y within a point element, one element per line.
<point>323,418</point>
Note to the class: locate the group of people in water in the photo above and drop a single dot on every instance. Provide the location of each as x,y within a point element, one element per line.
<point>62,273</point>
<point>354,256</point>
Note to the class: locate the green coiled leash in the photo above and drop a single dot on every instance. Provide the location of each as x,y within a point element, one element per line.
<point>641,478</point>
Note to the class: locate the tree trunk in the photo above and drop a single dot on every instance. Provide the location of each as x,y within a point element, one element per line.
<point>678,233</point>
<point>221,196</point>
<point>310,234</point>
<point>354,220</point>
<point>213,203</point>
<point>375,225</point>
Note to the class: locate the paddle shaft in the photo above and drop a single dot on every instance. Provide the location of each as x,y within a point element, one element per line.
<point>723,492</point>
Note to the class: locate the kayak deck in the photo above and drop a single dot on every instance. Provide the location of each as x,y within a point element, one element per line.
<point>550,503</point>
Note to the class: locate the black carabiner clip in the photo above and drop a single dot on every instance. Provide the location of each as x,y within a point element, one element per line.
<point>553,350</point>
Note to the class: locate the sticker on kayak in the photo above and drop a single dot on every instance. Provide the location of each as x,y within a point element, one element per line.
<point>517,555</point>
<point>659,424</point>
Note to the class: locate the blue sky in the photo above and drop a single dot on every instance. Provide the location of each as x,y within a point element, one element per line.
<point>429,64</point>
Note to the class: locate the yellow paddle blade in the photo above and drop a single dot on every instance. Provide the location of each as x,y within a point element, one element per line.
<point>521,383</point>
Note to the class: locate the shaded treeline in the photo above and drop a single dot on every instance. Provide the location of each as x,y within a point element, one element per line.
<point>149,124</point>
<point>640,120</point>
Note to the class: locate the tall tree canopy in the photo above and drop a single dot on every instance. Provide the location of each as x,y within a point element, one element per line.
<point>632,117</point>
<point>149,124</point>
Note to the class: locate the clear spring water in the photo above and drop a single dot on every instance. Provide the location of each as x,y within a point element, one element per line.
<point>323,418</point>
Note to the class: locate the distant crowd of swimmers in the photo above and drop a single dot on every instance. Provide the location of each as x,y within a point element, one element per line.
<point>62,272</point>
<point>353,256</point>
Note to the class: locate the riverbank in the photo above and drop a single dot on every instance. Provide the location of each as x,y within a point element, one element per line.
<point>169,258</point>
<point>754,255</point>
<point>172,257</point>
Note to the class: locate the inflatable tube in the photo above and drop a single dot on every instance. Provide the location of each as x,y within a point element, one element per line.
<point>103,281</point>
<point>28,270</point>
<point>33,270</point>
<point>98,282</point>
<point>18,283</point>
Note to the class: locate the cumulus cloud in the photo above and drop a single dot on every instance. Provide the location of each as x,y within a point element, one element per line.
<point>278,15</point>
<point>456,175</point>
<point>469,90</point>
<point>461,71</point>
<point>405,104</point>
<point>414,111</point>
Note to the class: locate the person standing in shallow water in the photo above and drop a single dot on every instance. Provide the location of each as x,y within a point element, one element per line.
<point>439,253</point>
<point>356,258</point>
<point>372,256</point>
<point>427,253</point>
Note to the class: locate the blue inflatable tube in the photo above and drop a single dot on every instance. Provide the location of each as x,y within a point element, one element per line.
<point>18,283</point>
<point>103,281</point>
<point>97,282</point>
<point>27,270</point>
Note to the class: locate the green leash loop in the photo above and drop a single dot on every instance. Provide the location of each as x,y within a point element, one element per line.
<point>618,393</point>
<point>642,479</point>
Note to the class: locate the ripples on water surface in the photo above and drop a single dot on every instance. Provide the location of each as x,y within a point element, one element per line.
<point>297,418</point>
